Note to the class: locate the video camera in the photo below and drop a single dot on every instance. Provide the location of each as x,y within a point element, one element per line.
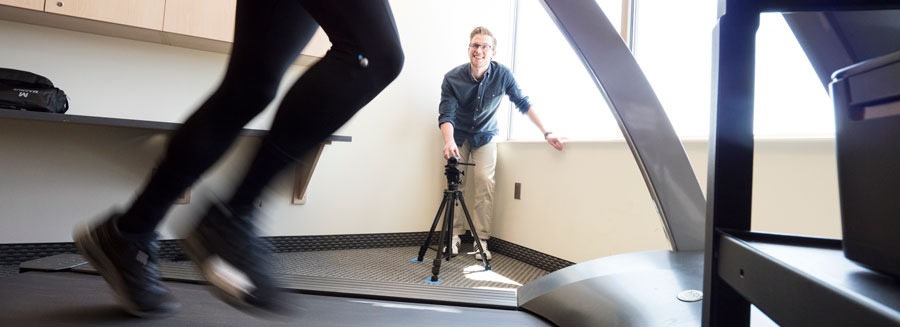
<point>453,172</point>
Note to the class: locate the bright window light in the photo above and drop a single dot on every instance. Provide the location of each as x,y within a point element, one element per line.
<point>561,90</point>
<point>789,101</point>
<point>673,43</point>
<point>673,46</point>
<point>476,272</point>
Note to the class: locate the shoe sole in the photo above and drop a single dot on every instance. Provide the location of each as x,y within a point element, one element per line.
<point>90,248</point>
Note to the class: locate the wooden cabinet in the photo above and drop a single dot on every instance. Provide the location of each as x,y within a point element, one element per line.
<point>197,24</point>
<point>214,19</point>
<point>27,4</point>
<point>211,19</point>
<point>140,13</point>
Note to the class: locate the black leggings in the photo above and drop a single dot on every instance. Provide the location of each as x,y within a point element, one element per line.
<point>268,38</point>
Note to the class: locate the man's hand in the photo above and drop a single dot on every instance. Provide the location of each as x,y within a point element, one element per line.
<point>556,141</point>
<point>450,150</point>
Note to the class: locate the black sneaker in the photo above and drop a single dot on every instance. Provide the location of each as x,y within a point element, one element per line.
<point>236,261</point>
<point>130,266</point>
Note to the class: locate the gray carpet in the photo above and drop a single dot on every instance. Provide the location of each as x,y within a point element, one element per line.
<point>8,270</point>
<point>394,265</point>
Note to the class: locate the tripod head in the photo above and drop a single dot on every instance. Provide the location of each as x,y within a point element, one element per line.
<point>453,172</point>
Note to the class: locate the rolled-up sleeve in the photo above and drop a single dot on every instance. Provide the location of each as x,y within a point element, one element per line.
<point>448,105</point>
<point>515,95</point>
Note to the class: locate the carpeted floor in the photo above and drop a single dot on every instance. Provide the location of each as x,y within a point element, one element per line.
<point>394,265</point>
<point>8,270</point>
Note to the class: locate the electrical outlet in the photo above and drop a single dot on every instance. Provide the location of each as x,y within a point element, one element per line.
<point>517,194</point>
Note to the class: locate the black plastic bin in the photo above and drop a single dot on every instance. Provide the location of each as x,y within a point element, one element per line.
<point>867,123</point>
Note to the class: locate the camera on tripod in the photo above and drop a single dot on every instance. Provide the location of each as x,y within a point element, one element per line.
<point>453,172</point>
<point>452,195</point>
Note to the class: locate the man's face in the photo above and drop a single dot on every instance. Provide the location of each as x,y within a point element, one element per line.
<point>481,50</point>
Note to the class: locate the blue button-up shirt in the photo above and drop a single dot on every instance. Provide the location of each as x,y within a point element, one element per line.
<point>471,105</point>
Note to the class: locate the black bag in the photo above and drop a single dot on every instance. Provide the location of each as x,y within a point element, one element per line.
<point>22,90</point>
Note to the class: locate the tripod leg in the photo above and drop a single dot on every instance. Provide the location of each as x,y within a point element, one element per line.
<point>449,230</point>
<point>474,233</point>
<point>436,269</point>
<point>437,218</point>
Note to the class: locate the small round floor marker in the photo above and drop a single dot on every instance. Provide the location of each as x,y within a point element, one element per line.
<point>690,296</point>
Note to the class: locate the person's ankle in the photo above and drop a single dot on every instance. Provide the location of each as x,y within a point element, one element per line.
<point>122,231</point>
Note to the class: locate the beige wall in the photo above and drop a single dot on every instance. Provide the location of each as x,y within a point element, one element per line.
<point>590,201</point>
<point>795,188</point>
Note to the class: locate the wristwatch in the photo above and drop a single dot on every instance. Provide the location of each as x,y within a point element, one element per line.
<point>547,133</point>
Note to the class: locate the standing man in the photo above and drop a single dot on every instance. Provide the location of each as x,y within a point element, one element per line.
<point>470,96</point>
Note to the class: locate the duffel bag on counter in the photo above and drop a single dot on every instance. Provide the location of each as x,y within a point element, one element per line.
<point>21,90</point>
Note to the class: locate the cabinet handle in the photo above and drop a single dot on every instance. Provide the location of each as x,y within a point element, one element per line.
<point>59,4</point>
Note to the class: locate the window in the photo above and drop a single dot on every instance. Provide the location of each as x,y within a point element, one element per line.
<point>673,45</point>
<point>562,92</point>
<point>789,101</point>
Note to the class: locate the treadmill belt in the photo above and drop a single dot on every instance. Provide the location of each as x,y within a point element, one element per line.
<point>75,299</point>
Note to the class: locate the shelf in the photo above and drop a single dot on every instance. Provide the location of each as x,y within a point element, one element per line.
<point>118,122</point>
<point>803,281</point>
<point>795,280</point>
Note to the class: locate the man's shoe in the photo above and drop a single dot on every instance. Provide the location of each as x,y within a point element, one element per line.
<point>454,245</point>
<point>130,265</point>
<point>487,252</point>
<point>236,261</point>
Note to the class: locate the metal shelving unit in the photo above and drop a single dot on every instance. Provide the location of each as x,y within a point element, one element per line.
<point>796,281</point>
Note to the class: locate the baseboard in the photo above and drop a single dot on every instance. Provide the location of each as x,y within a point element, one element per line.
<point>535,258</point>
<point>13,254</point>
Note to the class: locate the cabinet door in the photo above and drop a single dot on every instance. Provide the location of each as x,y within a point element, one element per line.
<point>211,19</point>
<point>140,13</point>
<point>214,19</point>
<point>28,4</point>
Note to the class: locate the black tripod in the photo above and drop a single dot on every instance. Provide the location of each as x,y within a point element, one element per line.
<point>451,195</point>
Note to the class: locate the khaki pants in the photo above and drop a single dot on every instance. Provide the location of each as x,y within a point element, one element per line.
<point>478,189</point>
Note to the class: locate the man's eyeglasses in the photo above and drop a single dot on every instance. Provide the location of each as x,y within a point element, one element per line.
<point>484,46</point>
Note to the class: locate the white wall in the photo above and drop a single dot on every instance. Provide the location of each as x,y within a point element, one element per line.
<point>586,202</point>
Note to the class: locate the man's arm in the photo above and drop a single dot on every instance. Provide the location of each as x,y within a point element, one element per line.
<point>555,141</point>
<point>446,115</point>
<point>450,148</point>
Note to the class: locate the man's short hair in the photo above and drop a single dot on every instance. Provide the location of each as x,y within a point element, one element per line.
<point>484,31</point>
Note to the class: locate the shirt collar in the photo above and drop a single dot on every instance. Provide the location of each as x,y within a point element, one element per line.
<point>486,73</point>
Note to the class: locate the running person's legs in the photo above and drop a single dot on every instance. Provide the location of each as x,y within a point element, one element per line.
<point>268,37</point>
<point>322,100</point>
